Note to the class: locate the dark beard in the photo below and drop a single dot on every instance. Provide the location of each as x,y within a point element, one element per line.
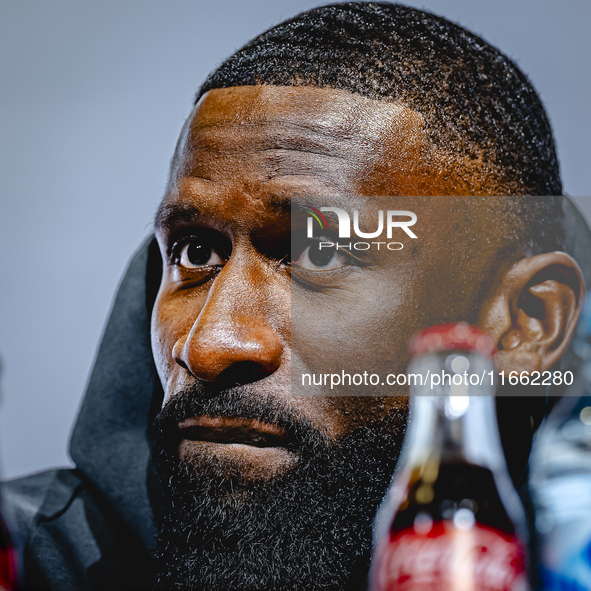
<point>307,528</point>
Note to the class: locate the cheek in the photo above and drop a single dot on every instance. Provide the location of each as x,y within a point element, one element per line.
<point>173,316</point>
<point>161,336</point>
<point>364,328</point>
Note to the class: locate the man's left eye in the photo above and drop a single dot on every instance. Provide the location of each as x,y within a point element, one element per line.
<point>320,256</point>
<point>198,252</point>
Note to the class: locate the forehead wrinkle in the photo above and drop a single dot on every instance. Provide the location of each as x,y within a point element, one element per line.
<point>324,127</point>
<point>277,134</point>
<point>277,164</point>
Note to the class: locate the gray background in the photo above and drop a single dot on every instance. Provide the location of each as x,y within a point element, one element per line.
<point>92,97</point>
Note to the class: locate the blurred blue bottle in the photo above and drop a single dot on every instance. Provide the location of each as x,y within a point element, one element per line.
<point>9,551</point>
<point>560,480</point>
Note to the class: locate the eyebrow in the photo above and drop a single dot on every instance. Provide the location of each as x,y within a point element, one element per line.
<point>170,213</point>
<point>279,205</point>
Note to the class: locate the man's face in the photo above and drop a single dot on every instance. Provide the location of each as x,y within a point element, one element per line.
<point>221,325</point>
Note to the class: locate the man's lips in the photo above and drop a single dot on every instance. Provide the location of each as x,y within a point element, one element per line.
<point>234,430</point>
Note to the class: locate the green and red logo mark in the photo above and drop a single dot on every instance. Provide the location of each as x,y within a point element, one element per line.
<point>317,215</point>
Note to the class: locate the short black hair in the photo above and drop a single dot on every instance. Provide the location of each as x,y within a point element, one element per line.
<point>475,101</point>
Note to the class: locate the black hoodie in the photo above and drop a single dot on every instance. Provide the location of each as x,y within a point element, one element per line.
<point>91,527</point>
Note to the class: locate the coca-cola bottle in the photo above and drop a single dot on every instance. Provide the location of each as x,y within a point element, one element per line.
<point>452,519</point>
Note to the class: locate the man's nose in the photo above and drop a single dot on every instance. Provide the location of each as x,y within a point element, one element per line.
<point>234,340</point>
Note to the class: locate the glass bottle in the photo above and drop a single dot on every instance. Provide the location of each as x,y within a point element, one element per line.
<point>560,480</point>
<point>452,519</point>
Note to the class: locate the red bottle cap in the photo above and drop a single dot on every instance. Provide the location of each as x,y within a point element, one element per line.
<point>451,337</point>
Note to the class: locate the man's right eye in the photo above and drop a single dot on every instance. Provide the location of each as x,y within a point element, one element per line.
<point>196,253</point>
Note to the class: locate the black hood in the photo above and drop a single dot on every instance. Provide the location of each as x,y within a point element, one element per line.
<point>109,442</point>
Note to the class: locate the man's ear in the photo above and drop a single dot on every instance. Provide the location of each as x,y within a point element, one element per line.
<point>533,313</point>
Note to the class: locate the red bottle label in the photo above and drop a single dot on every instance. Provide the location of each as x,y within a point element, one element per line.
<point>447,558</point>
